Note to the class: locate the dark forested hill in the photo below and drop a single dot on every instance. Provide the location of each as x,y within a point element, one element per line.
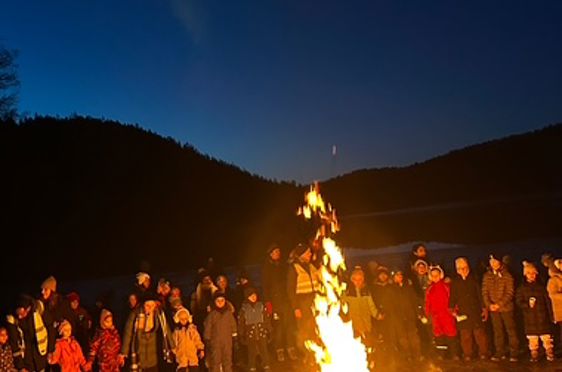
<point>84,197</point>
<point>501,190</point>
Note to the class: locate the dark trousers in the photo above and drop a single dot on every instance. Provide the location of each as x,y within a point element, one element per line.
<point>221,356</point>
<point>283,328</point>
<point>257,348</point>
<point>445,344</point>
<point>406,333</point>
<point>505,322</point>
<point>468,336</point>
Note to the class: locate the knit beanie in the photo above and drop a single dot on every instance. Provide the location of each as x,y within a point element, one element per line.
<point>50,283</point>
<point>218,294</point>
<point>300,249</point>
<point>249,291</point>
<point>272,247</point>
<point>529,267</point>
<point>73,296</point>
<point>24,301</point>
<point>420,262</point>
<point>103,316</point>
<point>182,310</point>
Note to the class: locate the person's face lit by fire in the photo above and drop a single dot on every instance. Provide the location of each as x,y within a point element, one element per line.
<point>46,293</point>
<point>421,252</point>
<point>133,301</point>
<point>358,279</point>
<point>3,336</point>
<point>531,276</point>
<point>435,275</point>
<point>66,331</point>
<point>421,269</point>
<point>253,298</point>
<point>207,282</point>
<point>399,278</point>
<point>107,322</point>
<point>74,304</point>
<point>222,283</point>
<point>275,254</point>
<point>149,307</point>
<point>462,268</point>
<point>220,302</point>
<point>176,292</point>
<point>383,277</point>
<point>495,264</point>
<point>306,256</point>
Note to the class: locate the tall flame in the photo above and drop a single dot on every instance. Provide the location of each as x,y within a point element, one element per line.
<point>338,350</point>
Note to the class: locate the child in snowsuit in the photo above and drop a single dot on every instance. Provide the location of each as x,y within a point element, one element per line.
<point>68,354</point>
<point>437,309</point>
<point>6,357</point>
<point>106,345</point>
<point>188,342</point>
<point>219,330</point>
<point>532,298</point>
<point>254,326</point>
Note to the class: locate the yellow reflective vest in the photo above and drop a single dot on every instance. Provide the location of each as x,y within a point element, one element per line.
<point>308,281</point>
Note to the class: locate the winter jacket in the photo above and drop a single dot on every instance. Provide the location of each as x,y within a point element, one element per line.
<point>405,306</point>
<point>362,309</point>
<point>554,288</point>
<point>31,339</point>
<point>6,359</point>
<point>82,330</point>
<point>220,327</point>
<point>105,346</point>
<point>58,309</point>
<point>68,355</point>
<point>382,297</point>
<point>274,277</point>
<point>466,299</point>
<point>538,318</point>
<point>188,343</point>
<point>254,323</point>
<point>498,288</point>
<point>437,308</point>
<point>150,346</point>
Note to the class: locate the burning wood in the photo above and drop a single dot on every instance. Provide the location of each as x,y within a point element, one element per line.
<point>338,349</point>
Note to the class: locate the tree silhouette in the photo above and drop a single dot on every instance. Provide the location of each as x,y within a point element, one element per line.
<point>8,84</point>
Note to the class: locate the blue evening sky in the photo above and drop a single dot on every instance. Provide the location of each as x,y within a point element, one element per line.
<point>271,85</point>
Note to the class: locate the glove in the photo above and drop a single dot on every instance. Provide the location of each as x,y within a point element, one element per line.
<point>269,308</point>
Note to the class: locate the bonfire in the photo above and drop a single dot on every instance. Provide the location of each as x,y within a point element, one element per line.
<point>338,350</point>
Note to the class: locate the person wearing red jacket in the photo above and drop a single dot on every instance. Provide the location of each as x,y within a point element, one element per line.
<point>106,345</point>
<point>437,309</point>
<point>68,354</point>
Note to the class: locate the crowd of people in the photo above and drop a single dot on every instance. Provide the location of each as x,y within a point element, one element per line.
<point>417,312</point>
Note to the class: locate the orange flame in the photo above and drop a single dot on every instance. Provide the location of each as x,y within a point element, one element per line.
<point>339,350</point>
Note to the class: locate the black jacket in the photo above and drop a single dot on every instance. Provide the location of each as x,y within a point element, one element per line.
<point>538,318</point>
<point>274,277</point>
<point>466,299</point>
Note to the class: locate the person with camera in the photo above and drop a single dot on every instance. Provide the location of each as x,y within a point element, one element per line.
<point>147,338</point>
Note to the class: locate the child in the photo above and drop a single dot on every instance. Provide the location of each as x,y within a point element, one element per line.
<point>106,345</point>
<point>220,328</point>
<point>255,327</point>
<point>532,298</point>
<point>6,357</point>
<point>68,354</point>
<point>437,309</point>
<point>188,342</point>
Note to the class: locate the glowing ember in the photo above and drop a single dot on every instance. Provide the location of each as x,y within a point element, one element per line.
<point>339,350</point>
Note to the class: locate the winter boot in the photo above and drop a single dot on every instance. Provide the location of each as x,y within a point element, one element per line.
<point>280,355</point>
<point>550,354</point>
<point>292,353</point>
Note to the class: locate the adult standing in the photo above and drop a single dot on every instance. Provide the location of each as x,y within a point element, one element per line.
<point>147,337</point>
<point>497,293</point>
<point>466,302</point>
<point>274,277</point>
<point>31,335</point>
<point>303,282</point>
